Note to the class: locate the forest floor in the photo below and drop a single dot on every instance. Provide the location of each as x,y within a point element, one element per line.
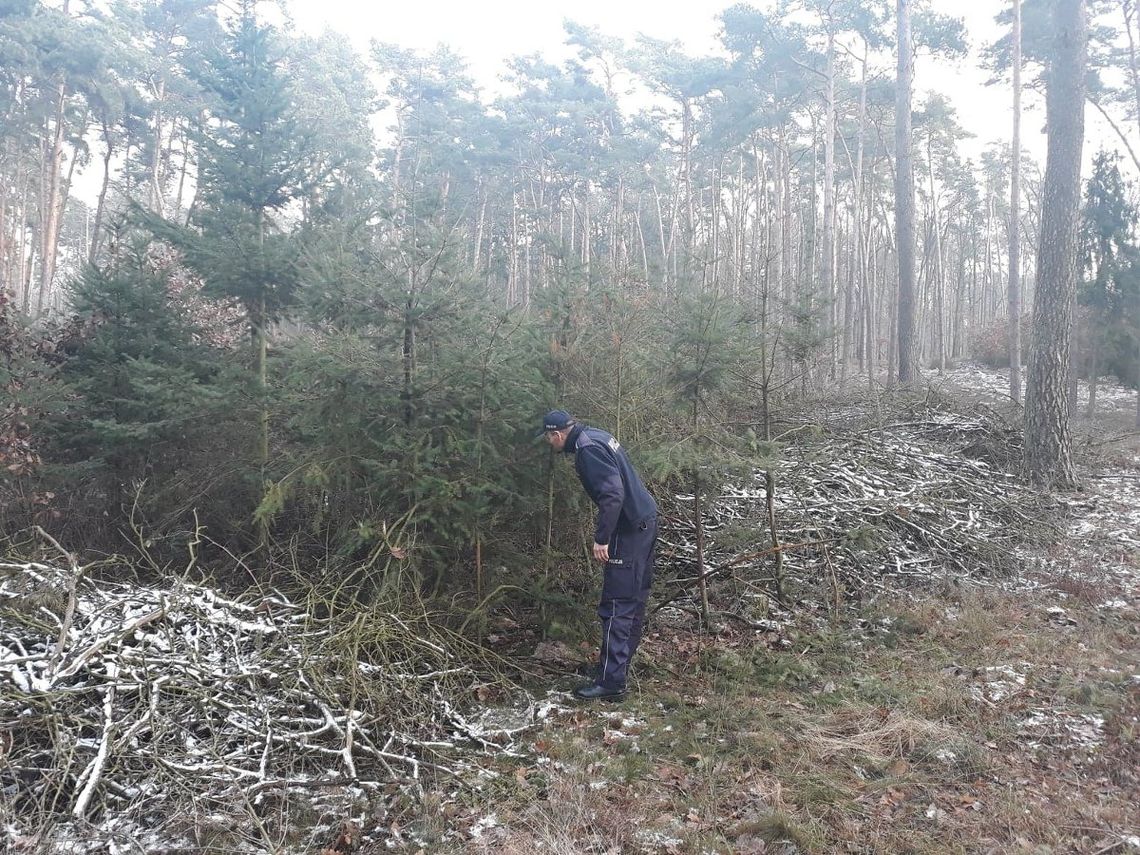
<point>956,670</point>
<point>983,714</point>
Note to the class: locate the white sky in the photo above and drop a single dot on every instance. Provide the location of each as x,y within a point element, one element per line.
<point>487,33</point>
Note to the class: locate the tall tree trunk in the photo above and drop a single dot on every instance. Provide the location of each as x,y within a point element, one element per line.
<point>1094,369</point>
<point>1128,7</point>
<point>1072,377</point>
<point>956,348</point>
<point>862,285</point>
<point>587,234</point>
<point>938,278</point>
<point>513,282</point>
<point>829,242</point>
<point>687,183</point>
<point>1136,331</point>
<point>904,203</point>
<point>157,202</point>
<point>480,223</point>
<point>51,191</point>
<point>1014,218</point>
<point>663,242</point>
<point>699,525</point>
<point>101,204</point>
<point>1048,445</point>
<point>408,350</point>
<point>5,268</point>
<point>24,263</point>
<point>774,268</point>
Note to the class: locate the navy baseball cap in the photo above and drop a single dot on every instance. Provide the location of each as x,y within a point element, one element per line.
<point>555,420</point>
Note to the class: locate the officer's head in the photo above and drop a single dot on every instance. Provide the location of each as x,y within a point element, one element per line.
<point>556,427</point>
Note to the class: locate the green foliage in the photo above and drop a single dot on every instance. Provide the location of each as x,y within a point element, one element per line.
<point>942,35</point>
<point>1038,37</point>
<point>1109,253</point>
<point>138,389</point>
<point>22,376</point>
<point>413,307</point>
<point>408,402</point>
<point>1121,338</point>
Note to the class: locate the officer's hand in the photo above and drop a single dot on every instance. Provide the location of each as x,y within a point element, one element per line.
<point>601,552</point>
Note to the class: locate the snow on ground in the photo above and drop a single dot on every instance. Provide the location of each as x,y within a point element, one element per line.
<point>1103,534</point>
<point>1111,396</point>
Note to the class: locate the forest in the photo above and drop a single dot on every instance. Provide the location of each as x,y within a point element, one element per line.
<point>284,567</point>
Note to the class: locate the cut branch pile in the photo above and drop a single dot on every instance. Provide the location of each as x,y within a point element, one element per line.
<point>925,495</point>
<point>183,713</point>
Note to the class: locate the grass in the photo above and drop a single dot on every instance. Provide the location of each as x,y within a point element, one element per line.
<point>898,732</point>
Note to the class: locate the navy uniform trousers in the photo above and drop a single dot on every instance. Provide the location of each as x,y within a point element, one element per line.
<point>627,578</point>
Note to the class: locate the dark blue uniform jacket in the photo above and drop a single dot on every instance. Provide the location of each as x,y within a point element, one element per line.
<point>610,480</point>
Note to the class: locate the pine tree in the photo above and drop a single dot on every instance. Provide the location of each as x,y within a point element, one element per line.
<point>1107,227</point>
<point>904,203</point>
<point>138,386</point>
<point>708,359</point>
<point>1048,444</point>
<point>254,164</point>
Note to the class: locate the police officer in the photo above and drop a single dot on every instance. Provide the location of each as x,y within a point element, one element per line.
<point>625,540</point>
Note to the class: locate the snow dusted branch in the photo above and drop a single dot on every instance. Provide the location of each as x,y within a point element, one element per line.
<point>94,770</point>
<point>213,701</point>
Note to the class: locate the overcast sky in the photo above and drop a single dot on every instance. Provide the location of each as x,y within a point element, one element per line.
<point>487,33</point>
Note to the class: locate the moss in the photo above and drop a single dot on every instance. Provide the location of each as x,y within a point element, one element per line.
<point>771,670</point>
<point>773,827</point>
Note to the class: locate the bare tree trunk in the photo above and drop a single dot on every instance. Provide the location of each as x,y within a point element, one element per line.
<point>663,242</point>
<point>527,261</point>
<point>938,278</point>
<point>687,183</point>
<point>5,268</point>
<point>479,225</point>
<point>513,283</point>
<point>862,285</point>
<point>1073,374</point>
<point>956,345</point>
<point>641,240</point>
<point>1014,218</point>
<point>829,265</point>
<point>24,265</point>
<point>904,202</point>
<point>101,204</point>
<point>786,224</point>
<point>770,489</point>
<point>51,190</point>
<point>157,202</point>
<point>184,165</point>
<point>1048,445</point>
<point>774,268</point>
<point>1128,7</point>
<point>587,234</point>
<point>1094,369</point>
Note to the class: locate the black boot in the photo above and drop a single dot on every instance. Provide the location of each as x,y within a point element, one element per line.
<point>596,692</point>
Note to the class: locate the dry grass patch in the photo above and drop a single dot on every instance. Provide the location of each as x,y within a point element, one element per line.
<point>877,735</point>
